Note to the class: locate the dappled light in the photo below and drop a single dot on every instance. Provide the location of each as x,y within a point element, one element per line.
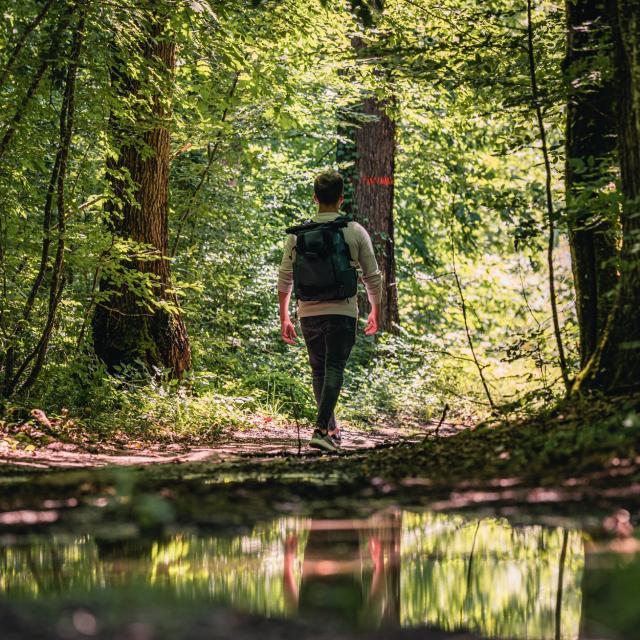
<point>319,319</point>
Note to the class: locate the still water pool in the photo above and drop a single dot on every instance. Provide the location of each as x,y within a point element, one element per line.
<point>395,569</point>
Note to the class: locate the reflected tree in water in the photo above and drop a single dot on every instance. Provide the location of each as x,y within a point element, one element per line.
<point>393,569</point>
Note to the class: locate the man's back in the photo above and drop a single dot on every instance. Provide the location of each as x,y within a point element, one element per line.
<point>362,256</point>
<point>328,326</point>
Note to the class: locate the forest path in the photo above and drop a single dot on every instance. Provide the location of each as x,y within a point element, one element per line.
<point>267,439</point>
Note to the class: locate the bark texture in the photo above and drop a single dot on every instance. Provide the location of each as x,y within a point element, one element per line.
<point>125,330</point>
<point>374,189</point>
<point>590,148</point>
<point>366,153</point>
<point>615,366</point>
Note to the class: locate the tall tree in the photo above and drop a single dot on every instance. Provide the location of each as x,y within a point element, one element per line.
<point>375,142</point>
<point>615,365</point>
<point>56,200</point>
<point>128,328</point>
<point>368,146</point>
<point>590,166</point>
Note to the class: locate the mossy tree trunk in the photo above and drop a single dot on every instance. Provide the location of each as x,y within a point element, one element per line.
<point>126,328</point>
<point>590,166</point>
<point>615,366</point>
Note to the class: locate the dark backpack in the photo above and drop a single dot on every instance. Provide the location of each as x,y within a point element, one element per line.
<point>322,267</point>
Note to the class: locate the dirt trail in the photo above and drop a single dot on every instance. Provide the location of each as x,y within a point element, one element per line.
<point>264,441</point>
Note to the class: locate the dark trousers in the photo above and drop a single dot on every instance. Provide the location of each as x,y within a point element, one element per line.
<point>329,340</point>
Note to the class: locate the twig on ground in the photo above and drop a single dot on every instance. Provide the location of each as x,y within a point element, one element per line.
<point>295,417</point>
<point>444,415</point>
<point>463,306</point>
<point>436,431</point>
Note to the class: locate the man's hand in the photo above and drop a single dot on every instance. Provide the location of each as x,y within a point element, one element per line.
<point>288,331</point>
<point>372,322</point>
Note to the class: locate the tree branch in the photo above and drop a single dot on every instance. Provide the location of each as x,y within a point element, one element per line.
<point>549,196</point>
<point>23,39</point>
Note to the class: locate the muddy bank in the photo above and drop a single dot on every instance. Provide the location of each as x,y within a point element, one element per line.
<point>568,461</point>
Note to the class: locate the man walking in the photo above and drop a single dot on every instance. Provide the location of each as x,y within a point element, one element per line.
<point>320,259</point>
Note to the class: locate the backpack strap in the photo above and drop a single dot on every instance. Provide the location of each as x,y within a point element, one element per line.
<point>339,222</point>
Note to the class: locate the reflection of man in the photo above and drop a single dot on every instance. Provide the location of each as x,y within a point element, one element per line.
<point>350,574</point>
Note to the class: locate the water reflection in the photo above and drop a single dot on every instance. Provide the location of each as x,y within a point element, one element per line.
<point>350,571</point>
<point>486,576</point>
<point>395,568</point>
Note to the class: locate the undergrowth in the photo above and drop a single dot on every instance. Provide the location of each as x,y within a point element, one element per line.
<point>237,383</point>
<point>576,436</point>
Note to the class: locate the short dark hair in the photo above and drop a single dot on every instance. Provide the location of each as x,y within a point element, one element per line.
<point>328,187</point>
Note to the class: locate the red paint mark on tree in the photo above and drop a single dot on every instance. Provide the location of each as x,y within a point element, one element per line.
<point>383,181</point>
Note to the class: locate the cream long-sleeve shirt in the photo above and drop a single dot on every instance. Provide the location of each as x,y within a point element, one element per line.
<point>362,257</point>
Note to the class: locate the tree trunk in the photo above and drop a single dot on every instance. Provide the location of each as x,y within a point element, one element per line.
<point>590,145</point>
<point>125,329</point>
<point>367,153</point>
<point>551,214</point>
<point>615,366</point>
<point>56,190</point>
<point>58,277</point>
<point>375,164</point>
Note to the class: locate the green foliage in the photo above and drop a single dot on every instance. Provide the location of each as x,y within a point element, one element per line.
<point>259,90</point>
